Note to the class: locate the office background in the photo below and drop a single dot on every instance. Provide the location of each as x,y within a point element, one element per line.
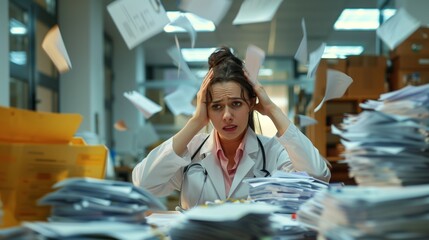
<point>104,68</point>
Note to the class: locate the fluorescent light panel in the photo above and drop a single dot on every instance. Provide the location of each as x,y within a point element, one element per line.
<point>197,54</point>
<point>16,27</point>
<point>361,18</point>
<point>341,51</point>
<point>199,24</point>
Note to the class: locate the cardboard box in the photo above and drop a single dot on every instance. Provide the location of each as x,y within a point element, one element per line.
<point>368,74</point>
<point>416,44</point>
<point>411,62</point>
<point>402,78</point>
<point>36,151</point>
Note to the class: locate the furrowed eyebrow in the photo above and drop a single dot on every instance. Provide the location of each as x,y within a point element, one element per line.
<point>229,99</point>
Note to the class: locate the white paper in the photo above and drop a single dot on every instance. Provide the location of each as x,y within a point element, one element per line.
<point>53,45</point>
<point>397,28</point>
<point>183,22</point>
<point>306,121</point>
<point>176,55</point>
<point>301,54</point>
<point>142,103</point>
<point>216,213</point>
<point>336,86</point>
<point>253,62</point>
<point>254,11</point>
<point>208,9</point>
<point>180,101</point>
<point>138,20</point>
<point>315,60</point>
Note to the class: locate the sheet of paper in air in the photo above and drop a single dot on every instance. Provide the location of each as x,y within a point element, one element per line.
<point>138,20</point>
<point>146,136</point>
<point>183,22</point>
<point>53,45</point>
<point>176,55</point>
<point>180,101</point>
<point>306,121</point>
<point>301,54</point>
<point>142,103</point>
<point>208,9</point>
<point>336,86</point>
<point>397,28</point>
<point>253,62</point>
<point>254,11</point>
<point>315,57</point>
<point>120,125</point>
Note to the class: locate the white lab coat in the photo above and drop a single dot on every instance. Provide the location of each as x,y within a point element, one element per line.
<point>162,171</point>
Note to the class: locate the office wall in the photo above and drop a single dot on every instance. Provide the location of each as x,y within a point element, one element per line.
<point>4,53</point>
<point>129,72</point>
<point>82,88</point>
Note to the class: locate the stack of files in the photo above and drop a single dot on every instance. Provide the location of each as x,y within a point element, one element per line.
<point>388,143</point>
<point>283,189</point>
<point>233,221</point>
<point>375,213</point>
<point>285,227</point>
<point>87,199</point>
<point>80,230</point>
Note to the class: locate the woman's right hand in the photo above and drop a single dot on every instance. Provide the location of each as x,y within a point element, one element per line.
<point>201,115</point>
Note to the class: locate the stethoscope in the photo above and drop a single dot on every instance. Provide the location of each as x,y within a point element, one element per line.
<point>186,169</point>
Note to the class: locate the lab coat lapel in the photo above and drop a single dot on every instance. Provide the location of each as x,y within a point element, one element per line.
<point>247,162</point>
<point>212,166</point>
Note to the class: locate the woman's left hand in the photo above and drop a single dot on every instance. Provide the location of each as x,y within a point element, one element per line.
<point>265,106</point>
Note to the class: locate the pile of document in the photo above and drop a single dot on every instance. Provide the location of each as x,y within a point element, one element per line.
<point>388,143</point>
<point>226,221</point>
<point>285,227</point>
<point>80,230</point>
<point>286,190</point>
<point>375,213</point>
<point>87,199</point>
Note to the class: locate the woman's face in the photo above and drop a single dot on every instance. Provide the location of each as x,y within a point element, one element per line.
<point>228,111</point>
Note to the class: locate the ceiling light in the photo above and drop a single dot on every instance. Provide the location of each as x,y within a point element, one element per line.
<point>341,51</point>
<point>16,27</point>
<point>199,24</point>
<point>197,54</point>
<point>361,18</point>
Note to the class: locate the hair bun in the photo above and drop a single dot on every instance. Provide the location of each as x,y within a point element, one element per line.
<point>221,55</point>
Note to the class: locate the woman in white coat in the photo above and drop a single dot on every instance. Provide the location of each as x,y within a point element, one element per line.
<point>206,167</point>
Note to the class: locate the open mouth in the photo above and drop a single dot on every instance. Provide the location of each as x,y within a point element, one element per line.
<point>229,128</point>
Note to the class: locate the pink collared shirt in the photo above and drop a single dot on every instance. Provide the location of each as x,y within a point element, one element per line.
<point>228,174</point>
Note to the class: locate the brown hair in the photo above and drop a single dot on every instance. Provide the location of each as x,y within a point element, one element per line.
<point>226,68</point>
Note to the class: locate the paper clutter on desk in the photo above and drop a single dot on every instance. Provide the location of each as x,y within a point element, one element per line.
<point>285,190</point>
<point>387,144</point>
<point>53,45</point>
<point>89,199</point>
<point>226,221</point>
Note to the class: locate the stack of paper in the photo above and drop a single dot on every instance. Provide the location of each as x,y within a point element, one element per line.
<point>226,221</point>
<point>86,199</point>
<point>389,145</point>
<point>286,190</point>
<point>288,228</point>
<point>80,230</point>
<point>375,213</point>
